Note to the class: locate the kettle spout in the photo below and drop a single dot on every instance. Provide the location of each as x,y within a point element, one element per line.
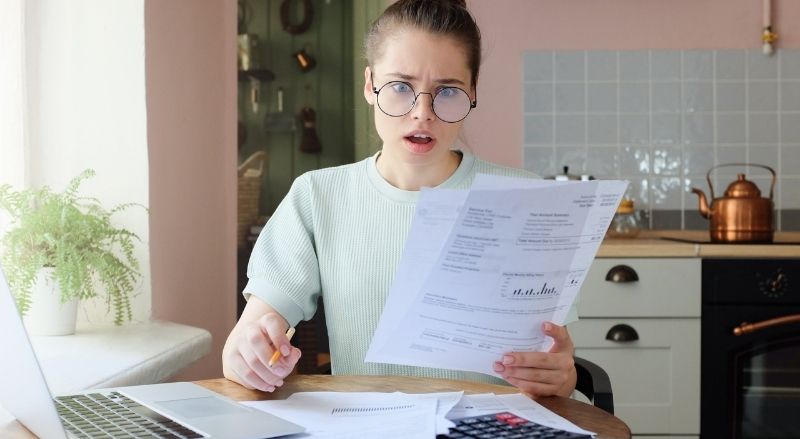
<point>703,206</point>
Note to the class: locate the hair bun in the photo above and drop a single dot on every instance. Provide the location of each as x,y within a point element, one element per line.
<point>449,18</point>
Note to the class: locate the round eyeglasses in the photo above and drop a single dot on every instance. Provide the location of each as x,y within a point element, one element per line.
<point>449,104</point>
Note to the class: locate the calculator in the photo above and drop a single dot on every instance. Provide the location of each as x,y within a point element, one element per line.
<point>504,425</point>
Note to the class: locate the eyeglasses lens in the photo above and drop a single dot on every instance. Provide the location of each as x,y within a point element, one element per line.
<point>396,98</point>
<point>451,104</point>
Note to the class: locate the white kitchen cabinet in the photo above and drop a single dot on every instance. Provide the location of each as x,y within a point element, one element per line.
<point>655,375</point>
<point>667,287</point>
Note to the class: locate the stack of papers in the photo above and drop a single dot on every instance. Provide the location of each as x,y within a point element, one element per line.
<point>344,415</point>
<point>483,268</point>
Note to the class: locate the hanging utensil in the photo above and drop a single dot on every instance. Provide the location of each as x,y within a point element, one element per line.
<point>255,94</point>
<point>310,140</point>
<point>279,120</point>
<point>304,59</point>
<point>305,22</point>
<point>308,117</point>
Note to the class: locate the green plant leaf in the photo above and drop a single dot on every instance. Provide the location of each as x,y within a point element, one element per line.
<point>74,235</point>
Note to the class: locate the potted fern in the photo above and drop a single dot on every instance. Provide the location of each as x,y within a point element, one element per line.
<point>65,247</point>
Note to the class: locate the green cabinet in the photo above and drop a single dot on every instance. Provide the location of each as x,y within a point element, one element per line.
<point>326,88</point>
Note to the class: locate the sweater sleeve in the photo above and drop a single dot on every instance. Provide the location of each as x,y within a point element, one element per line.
<point>283,270</point>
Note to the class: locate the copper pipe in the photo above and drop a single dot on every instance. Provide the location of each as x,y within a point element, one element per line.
<point>746,328</point>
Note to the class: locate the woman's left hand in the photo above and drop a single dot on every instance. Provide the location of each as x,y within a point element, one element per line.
<point>542,373</point>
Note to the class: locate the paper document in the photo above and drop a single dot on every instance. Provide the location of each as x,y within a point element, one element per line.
<point>365,414</point>
<point>483,269</point>
<point>341,415</point>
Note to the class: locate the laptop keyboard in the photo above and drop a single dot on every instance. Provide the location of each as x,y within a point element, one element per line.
<point>114,415</point>
<point>504,425</point>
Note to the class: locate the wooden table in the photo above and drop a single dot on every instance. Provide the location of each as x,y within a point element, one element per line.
<point>584,415</point>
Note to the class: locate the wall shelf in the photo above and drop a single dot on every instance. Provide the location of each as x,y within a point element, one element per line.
<point>260,74</point>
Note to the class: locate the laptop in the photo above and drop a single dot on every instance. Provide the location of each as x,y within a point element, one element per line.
<point>169,410</point>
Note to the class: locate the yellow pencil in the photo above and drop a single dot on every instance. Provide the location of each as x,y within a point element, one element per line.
<point>277,354</point>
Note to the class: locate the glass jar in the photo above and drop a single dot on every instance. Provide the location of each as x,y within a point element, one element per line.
<point>625,223</point>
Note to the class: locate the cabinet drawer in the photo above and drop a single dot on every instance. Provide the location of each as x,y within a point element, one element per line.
<point>665,288</point>
<point>655,380</point>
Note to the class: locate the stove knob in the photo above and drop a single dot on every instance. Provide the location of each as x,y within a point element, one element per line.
<point>774,286</point>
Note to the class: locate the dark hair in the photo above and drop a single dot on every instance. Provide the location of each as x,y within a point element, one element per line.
<point>441,17</point>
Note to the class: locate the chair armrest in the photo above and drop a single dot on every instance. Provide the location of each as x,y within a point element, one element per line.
<point>594,382</point>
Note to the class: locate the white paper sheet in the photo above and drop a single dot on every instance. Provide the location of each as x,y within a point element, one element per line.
<point>445,402</point>
<point>348,415</point>
<point>476,405</point>
<point>527,408</point>
<point>479,276</point>
<point>429,231</point>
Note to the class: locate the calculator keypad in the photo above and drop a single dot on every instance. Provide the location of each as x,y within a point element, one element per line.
<point>504,425</point>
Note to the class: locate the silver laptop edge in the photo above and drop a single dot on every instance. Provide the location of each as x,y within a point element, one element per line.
<point>25,394</point>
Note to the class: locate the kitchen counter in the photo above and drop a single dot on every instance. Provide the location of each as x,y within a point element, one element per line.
<point>649,244</point>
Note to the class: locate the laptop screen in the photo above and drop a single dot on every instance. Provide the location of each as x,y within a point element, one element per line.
<point>23,389</point>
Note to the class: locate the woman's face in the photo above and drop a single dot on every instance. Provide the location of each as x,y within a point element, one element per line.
<point>427,62</point>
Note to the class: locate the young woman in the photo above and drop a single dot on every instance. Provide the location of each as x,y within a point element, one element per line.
<point>340,231</point>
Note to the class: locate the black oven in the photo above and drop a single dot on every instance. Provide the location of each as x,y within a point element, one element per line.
<point>750,361</point>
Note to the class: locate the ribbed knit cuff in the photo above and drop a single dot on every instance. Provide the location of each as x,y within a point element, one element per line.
<point>279,300</point>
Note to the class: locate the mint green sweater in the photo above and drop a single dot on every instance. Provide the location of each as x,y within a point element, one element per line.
<point>340,233</point>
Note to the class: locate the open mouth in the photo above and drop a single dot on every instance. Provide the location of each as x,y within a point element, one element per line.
<point>420,139</point>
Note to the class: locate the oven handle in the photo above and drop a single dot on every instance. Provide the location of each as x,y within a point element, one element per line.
<point>746,328</point>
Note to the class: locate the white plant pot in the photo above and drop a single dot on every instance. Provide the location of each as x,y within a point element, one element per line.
<point>47,315</point>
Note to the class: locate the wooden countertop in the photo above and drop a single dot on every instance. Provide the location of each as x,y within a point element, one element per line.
<point>650,244</point>
<point>584,415</point>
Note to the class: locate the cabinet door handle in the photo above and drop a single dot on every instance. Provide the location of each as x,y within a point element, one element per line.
<point>622,333</point>
<point>622,274</point>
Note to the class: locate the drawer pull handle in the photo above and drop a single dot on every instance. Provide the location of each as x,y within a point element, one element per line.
<point>622,274</point>
<point>622,333</point>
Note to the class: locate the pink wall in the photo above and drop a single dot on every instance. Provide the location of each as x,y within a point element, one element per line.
<point>191,116</point>
<point>512,27</point>
<point>190,64</point>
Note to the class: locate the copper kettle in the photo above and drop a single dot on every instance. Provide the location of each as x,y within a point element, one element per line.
<point>742,215</point>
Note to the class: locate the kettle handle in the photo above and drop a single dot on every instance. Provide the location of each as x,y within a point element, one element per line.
<point>772,171</point>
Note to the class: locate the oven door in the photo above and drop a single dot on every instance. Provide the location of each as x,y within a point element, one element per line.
<point>751,382</point>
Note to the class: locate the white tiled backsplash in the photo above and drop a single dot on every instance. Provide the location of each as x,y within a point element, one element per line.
<point>662,118</point>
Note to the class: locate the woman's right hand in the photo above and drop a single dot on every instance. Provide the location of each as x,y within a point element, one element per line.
<point>250,345</point>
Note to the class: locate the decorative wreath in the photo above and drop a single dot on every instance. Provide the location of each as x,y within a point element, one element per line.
<point>308,17</point>
<point>242,17</point>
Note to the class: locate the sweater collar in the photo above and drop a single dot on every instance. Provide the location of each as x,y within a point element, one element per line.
<point>404,196</point>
